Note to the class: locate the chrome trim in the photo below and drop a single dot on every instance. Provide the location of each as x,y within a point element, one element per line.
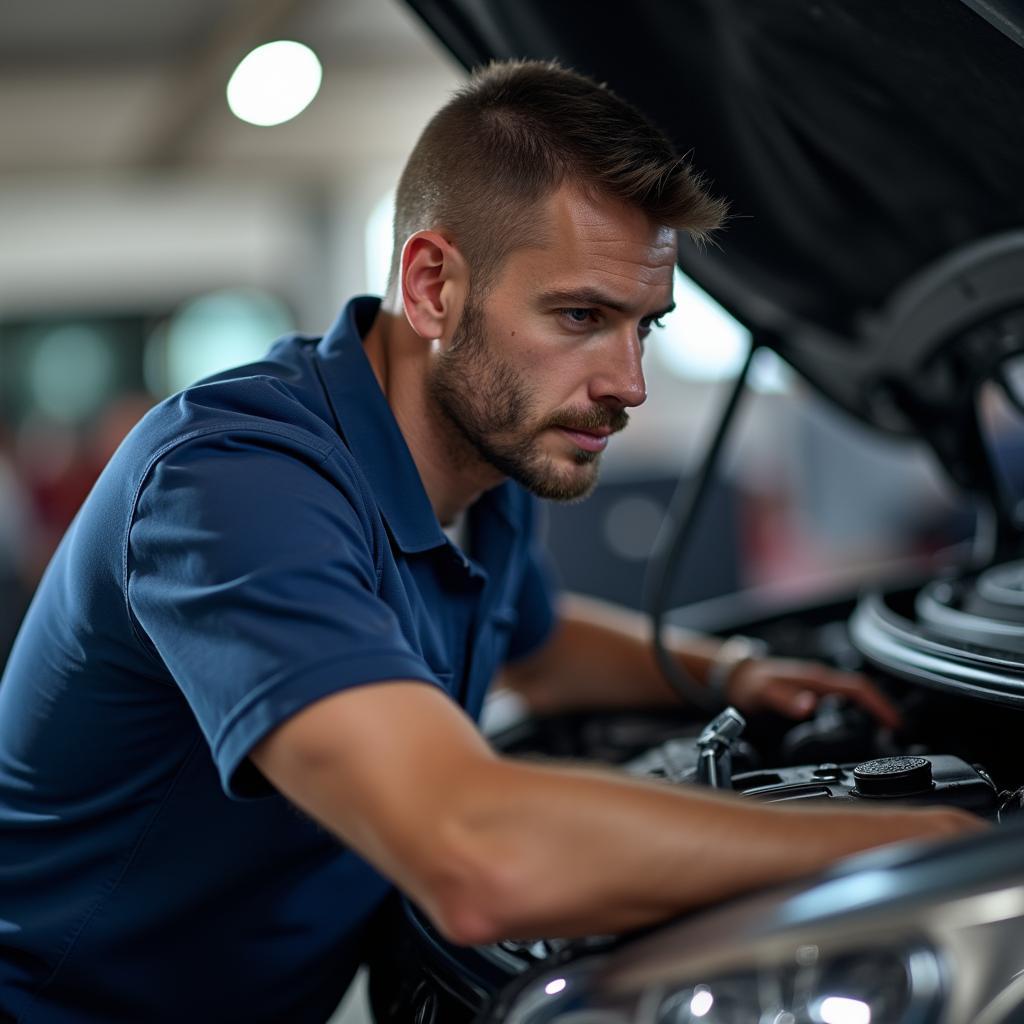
<point>893,643</point>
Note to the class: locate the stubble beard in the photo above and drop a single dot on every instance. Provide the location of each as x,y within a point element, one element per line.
<point>486,406</point>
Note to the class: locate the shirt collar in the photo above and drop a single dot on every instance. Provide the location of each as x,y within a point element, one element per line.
<point>371,432</point>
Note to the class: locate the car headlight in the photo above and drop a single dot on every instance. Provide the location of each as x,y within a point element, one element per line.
<point>890,986</point>
<point>897,985</point>
<point>903,935</point>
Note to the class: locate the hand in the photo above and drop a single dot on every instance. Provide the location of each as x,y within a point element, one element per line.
<point>793,688</point>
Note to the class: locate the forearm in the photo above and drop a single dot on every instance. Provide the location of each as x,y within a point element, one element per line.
<point>601,655</point>
<point>494,848</point>
<point>581,851</point>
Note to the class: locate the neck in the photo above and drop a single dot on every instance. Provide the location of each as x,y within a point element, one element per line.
<point>452,473</point>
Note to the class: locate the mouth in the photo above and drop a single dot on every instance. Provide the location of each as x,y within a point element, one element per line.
<point>588,440</point>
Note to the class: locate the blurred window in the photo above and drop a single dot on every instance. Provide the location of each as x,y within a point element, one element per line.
<point>67,370</point>
<point>380,243</point>
<point>700,341</point>
<point>72,371</point>
<point>211,334</point>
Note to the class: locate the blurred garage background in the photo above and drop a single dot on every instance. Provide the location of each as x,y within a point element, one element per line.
<point>150,236</point>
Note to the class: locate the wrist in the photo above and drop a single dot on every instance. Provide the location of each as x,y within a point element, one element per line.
<point>731,654</point>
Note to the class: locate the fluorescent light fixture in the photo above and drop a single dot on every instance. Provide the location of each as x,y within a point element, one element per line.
<point>274,83</point>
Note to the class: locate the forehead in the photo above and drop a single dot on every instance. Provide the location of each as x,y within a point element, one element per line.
<point>603,243</point>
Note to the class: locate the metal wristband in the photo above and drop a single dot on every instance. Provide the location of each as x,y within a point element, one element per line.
<point>729,656</point>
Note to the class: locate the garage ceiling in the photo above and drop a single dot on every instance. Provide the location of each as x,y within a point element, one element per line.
<point>119,84</point>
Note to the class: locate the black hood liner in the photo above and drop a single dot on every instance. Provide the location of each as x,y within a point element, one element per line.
<point>857,140</point>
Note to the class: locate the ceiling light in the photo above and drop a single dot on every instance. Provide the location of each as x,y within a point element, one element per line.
<point>274,83</point>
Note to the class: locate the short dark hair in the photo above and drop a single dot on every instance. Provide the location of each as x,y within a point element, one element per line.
<point>516,132</point>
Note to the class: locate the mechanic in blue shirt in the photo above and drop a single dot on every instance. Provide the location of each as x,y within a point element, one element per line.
<point>241,707</point>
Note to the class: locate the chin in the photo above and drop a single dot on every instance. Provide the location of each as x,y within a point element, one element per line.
<point>568,486</point>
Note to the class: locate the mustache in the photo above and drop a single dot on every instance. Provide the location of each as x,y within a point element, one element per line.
<point>591,419</point>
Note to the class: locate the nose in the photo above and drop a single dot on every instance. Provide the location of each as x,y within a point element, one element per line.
<point>619,376</point>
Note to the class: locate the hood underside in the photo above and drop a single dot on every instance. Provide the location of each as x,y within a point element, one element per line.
<point>857,142</point>
<point>872,153</point>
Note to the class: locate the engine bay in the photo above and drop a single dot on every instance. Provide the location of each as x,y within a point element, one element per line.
<point>947,651</point>
<point>959,745</point>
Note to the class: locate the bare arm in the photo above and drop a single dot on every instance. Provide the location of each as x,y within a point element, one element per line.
<point>600,655</point>
<point>491,848</point>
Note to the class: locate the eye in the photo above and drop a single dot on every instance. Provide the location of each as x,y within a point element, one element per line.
<point>581,316</point>
<point>649,322</point>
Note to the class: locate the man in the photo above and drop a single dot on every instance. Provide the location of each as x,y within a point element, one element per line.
<point>257,611</point>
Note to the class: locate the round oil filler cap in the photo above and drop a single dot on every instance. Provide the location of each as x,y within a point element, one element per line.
<point>893,776</point>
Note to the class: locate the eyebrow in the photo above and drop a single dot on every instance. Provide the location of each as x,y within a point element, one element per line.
<point>593,297</point>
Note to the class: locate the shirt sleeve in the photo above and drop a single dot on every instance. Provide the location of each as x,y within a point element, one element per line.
<point>251,574</point>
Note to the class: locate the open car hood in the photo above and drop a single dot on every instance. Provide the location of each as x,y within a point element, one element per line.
<point>873,154</point>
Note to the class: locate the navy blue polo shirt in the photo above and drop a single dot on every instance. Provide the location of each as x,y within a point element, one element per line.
<point>259,541</point>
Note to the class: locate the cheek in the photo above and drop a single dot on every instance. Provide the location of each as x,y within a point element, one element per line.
<point>560,373</point>
<point>548,367</point>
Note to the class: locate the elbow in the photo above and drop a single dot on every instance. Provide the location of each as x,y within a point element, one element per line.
<point>467,924</point>
<point>480,898</point>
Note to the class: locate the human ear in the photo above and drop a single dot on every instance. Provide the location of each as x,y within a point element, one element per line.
<point>434,282</point>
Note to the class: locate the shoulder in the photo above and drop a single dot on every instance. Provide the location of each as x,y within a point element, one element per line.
<point>277,395</point>
<point>275,408</point>
<point>257,441</point>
